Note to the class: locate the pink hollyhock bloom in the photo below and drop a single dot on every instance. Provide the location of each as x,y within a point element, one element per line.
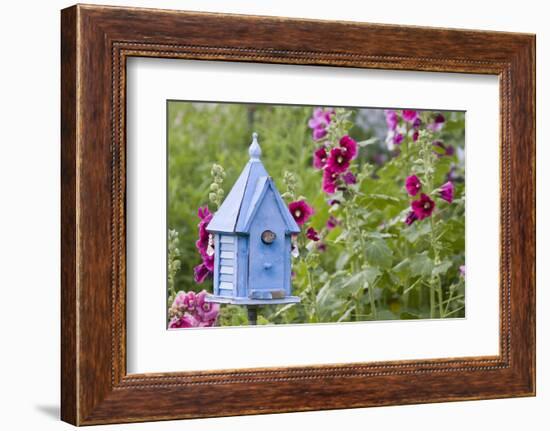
<point>410,115</point>
<point>423,207</point>
<point>411,218</point>
<point>349,145</point>
<point>332,222</point>
<point>462,270</point>
<point>391,118</point>
<point>190,301</point>
<point>338,160</point>
<point>320,157</point>
<point>446,191</point>
<point>201,272</point>
<point>301,211</point>
<point>185,321</point>
<point>312,234</point>
<point>319,122</point>
<point>179,300</point>
<point>437,123</point>
<point>329,180</point>
<point>398,138</point>
<point>207,312</point>
<point>349,178</point>
<point>413,185</point>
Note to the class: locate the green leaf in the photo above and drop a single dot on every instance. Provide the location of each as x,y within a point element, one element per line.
<point>378,253</point>
<point>442,268</point>
<point>368,142</point>
<point>421,265</point>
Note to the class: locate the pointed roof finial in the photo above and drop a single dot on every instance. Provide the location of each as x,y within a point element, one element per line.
<point>254,150</point>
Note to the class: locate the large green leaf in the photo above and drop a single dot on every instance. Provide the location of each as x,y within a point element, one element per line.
<point>379,253</point>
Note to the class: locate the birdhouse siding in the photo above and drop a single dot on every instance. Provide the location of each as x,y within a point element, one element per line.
<point>226,269</point>
<point>288,266</point>
<point>216,265</point>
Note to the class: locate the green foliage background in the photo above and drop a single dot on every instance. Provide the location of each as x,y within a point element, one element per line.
<point>396,278</point>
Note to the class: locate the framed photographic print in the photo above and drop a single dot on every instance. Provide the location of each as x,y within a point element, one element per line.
<point>271,212</point>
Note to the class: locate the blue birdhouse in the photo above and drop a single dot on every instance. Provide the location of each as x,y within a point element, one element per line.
<point>252,235</point>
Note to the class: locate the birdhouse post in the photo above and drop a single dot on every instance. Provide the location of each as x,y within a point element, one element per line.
<point>251,235</point>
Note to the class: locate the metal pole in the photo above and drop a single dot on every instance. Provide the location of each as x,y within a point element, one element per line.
<point>252,314</point>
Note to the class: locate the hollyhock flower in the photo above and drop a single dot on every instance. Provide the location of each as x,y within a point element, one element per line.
<point>437,123</point>
<point>349,146</point>
<point>338,160</point>
<point>201,272</point>
<point>398,138</point>
<point>301,211</point>
<point>349,178</point>
<point>184,321</point>
<point>332,222</point>
<point>320,157</point>
<point>329,180</point>
<point>423,207</point>
<point>319,122</point>
<point>446,191</point>
<point>440,149</point>
<point>207,312</point>
<point>415,135</point>
<point>413,185</point>
<point>179,301</point>
<point>391,118</point>
<point>411,218</point>
<point>319,133</point>
<point>205,218</point>
<point>462,270</point>
<point>417,123</point>
<point>312,234</point>
<point>409,115</point>
<point>190,300</point>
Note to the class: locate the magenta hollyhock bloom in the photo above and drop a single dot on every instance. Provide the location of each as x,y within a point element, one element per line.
<point>338,160</point>
<point>446,191</point>
<point>391,118</point>
<point>320,157</point>
<point>205,217</point>
<point>409,115</point>
<point>413,185</point>
<point>184,321</point>
<point>415,136</point>
<point>349,145</point>
<point>207,312</point>
<point>349,178</point>
<point>398,138</point>
<point>201,272</point>
<point>411,218</point>
<point>437,123</point>
<point>332,222</point>
<point>417,123</point>
<point>312,234</point>
<point>319,133</point>
<point>423,207</point>
<point>301,211</point>
<point>329,180</point>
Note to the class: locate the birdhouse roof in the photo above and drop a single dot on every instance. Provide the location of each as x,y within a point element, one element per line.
<point>239,208</point>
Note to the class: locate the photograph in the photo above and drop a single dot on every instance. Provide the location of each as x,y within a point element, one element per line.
<point>290,214</point>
